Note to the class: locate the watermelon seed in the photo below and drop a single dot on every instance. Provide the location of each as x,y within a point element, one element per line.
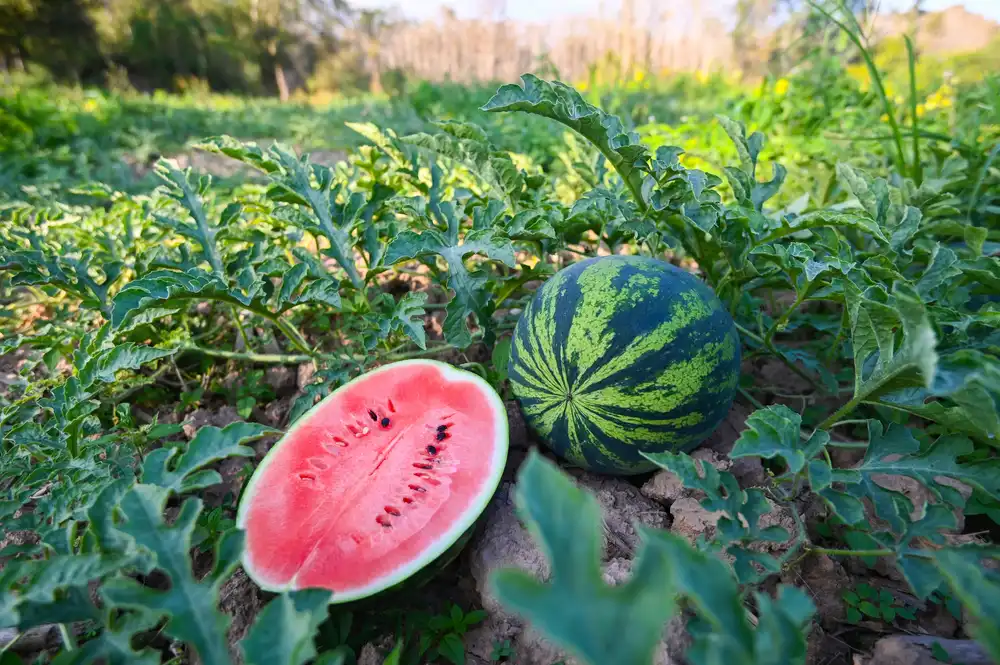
<point>407,499</point>
<point>417,488</point>
<point>392,511</point>
<point>384,521</point>
<point>364,431</point>
<point>422,466</point>
<point>308,477</point>
<point>432,450</point>
<point>339,442</point>
<point>442,428</point>
<point>392,408</point>
<point>385,422</point>
<point>354,430</point>
<point>372,414</point>
<point>441,436</point>
<point>319,463</point>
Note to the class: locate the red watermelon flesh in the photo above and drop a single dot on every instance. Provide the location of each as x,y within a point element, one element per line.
<point>375,482</point>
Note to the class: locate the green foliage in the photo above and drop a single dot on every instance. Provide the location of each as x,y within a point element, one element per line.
<point>866,272</point>
<point>877,604</point>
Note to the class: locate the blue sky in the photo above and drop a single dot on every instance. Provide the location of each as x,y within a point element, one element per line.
<point>546,10</point>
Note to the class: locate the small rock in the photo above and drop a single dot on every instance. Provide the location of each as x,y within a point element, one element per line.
<point>283,380</point>
<point>692,521</point>
<point>304,375</point>
<point>240,599</point>
<point>664,487</point>
<point>276,412</point>
<point>201,417</point>
<point>916,650</point>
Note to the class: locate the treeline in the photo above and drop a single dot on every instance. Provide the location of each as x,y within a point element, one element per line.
<point>245,46</point>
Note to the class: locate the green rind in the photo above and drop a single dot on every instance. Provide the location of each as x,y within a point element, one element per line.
<point>451,543</point>
<point>622,355</point>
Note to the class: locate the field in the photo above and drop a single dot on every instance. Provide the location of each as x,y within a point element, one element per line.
<point>184,276</point>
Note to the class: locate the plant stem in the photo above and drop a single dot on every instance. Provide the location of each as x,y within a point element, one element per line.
<point>783,319</point>
<point>855,421</point>
<point>778,354</point>
<point>855,36</point>
<point>67,637</point>
<point>296,359</point>
<point>835,552</point>
<point>840,413</point>
<point>750,398</point>
<point>239,327</point>
<point>918,170</point>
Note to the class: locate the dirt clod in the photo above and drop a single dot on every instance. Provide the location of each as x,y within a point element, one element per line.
<point>217,418</point>
<point>916,650</point>
<point>240,599</point>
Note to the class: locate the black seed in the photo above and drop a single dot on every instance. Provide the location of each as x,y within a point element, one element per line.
<point>372,414</point>
<point>385,422</point>
<point>441,436</point>
<point>432,450</point>
<point>442,428</point>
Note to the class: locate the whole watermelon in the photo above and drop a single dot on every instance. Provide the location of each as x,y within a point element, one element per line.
<point>620,355</point>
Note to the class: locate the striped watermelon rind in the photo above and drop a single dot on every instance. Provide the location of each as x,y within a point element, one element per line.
<point>619,355</point>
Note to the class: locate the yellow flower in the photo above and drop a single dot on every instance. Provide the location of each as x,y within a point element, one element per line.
<point>639,75</point>
<point>702,76</point>
<point>781,87</point>
<point>90,105</point>
<point>921,110</point>
<point>884,118</point>
<point>582,86</point>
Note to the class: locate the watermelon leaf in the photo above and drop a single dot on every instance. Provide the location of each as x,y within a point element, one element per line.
<point>775,432</point>
<point>179,472</point>
<point>978,588</point>
<point>560,102</point>
<point>739,527</point>
<point>895,451</point>
<point>881,365</point>
<point>471,296</point>
<point>113,646</point>
<point>283,631</point>
<point>468,144</point>
<point>576,609</point>
<point>187,189</point>
<point>189,604</point>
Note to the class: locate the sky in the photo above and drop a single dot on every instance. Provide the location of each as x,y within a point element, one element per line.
<point>548,10</point>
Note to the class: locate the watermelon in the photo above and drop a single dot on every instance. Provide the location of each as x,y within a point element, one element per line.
<point>376,482</point>
<point>620,355</point>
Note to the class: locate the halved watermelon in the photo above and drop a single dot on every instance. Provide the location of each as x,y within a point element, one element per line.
<point>375,482</point>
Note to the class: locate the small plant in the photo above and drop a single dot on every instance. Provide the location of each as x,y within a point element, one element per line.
<point>430,639</point>
<point>502,651</point>
<point>878,604</point>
